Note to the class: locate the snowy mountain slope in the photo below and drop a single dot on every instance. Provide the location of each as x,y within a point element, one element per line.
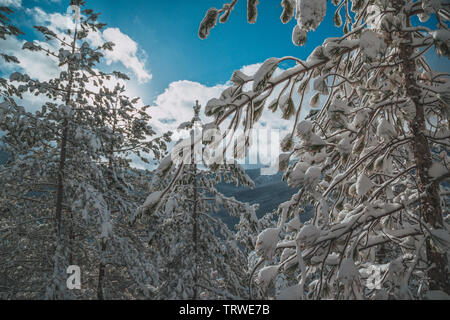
<point>269,193</point>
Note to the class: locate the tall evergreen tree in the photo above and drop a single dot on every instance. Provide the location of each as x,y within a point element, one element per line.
<point>371,157</point>
<point>197,253</point>
<point>70,177</point>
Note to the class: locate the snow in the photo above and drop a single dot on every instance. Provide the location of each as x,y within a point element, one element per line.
<point>171,205</point>
<point>442,236</point>
<point>152,200</point>
<point>304,131</point>
<point>332,259</point>
<point>299,36</point>
<point>310,13</point>
<point>345,146</point>
<point>307,235</point>
<point>267,274</point>
<point>294,224</point>
<point>312,176</point>
<point>283,161</point>
<point>209,132</point>
<point>338,105</point>
<point>347,272</point>
<point>184,125</point>
<point>286,254</point>
<point>106,229</point>
<point>320,85</point>
<point>330,46</point>
<point>385,130</point>
<point>165,164</point>
<point>252,11</point>
<point>374,19</point>
<point>267,242</point>
<point>213,105</point>
<point>297,176</point>
<point>284,102</point>
<point>290,293</point>
<point>288,10</point>
<point>363,185</point>
<point>304,128</point>
<point>264,73</point>
<point>94,142</point>
<point>208,22</point>
<point>315,140</point>
<point>437,170</point>
<point>239,77</point>
<point>441,35</point>
<point>371,44</point>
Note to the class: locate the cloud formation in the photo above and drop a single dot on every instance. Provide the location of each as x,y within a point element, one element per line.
<point>175,106</point>
<point>11,3</point>
<point>126,50</point>
<point>171,108</point>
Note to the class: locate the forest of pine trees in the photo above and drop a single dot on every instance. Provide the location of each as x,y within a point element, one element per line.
<point>371,158</point>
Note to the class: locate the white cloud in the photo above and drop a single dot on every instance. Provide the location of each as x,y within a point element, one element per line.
<point>126,51</point>
<point>174,107</point>
<point>171,108</point>
<point>37,66</point>
<point>11,3</point>
<point>54,21</point>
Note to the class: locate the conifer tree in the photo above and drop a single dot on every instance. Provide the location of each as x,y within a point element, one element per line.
<point>69,184</point>
<point>372,156</point>
<point>197,253</point>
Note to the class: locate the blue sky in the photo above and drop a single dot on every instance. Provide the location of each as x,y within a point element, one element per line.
<point>166,32</point>
<point>158,39</point>
<point>157,44</point>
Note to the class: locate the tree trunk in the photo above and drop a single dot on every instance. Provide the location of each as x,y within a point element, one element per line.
<point>60,179</point>
<point>102,265</point>
<point>63,151</point>
<point>430,206</point>
<point>60,189</point>
<point>195,227</point>
<point>101,275</point>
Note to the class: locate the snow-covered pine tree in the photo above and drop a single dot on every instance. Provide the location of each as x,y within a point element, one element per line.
<point>372,156</point>
<point>124,131</point>
<point>198,256</point>
<point>69,187</point>
<point>7,29</point>
<point>16,280</point>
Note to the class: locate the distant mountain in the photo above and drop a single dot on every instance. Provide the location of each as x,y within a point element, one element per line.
<point>269,193</point>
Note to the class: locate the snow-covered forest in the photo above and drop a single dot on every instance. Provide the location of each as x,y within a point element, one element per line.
<point>98,203</point>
